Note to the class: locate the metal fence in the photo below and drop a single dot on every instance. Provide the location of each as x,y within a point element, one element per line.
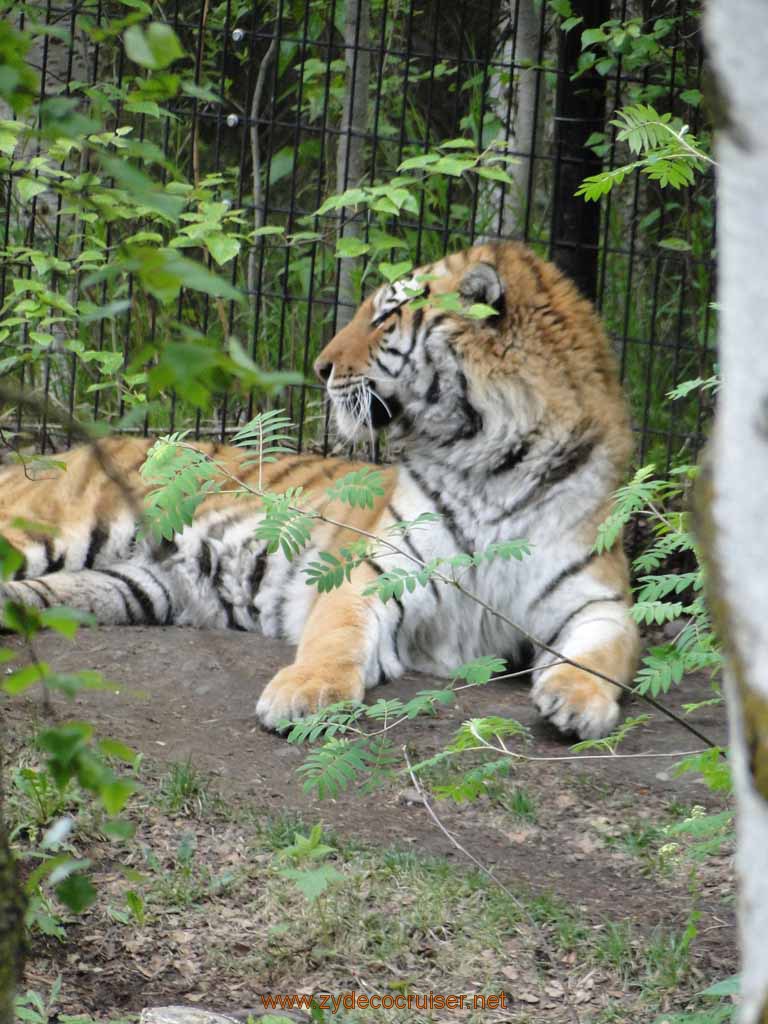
<point>295,101</point>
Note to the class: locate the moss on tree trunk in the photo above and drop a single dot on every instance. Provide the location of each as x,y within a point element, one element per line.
<point>12,934</point>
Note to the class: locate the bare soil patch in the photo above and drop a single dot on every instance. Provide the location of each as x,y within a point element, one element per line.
<point>578,841</point>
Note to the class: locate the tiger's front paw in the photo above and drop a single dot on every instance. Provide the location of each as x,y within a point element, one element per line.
<point>300,690</point>
<point>576,702</point>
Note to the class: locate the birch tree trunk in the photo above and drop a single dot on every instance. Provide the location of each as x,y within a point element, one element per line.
<point>351,150</point>
<point>736,534</point>
<point>513,100</point>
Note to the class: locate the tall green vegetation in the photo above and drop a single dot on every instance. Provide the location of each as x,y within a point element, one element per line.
<point>243,124</point>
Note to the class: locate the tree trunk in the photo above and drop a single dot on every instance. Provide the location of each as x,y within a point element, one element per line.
<point>512,98</point>
<point>738,496</point>
<point>12,931</point>
<point>350,154</point>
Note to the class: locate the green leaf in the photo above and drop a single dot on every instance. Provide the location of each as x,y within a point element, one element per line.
<point>394,271</point>
<point>66,621</point>
<point>494,174</point>
<point>119,828</point>
<point>155,47</point>
<point>285,526</point>
<point>692,96</point>
<point>381,240</point>
<point>24,678</point>
<point>457,144</point>
<point>148,107</point>
<point>313,882</point>
<point>481,670</point>
<point>727,987</point>
<point>222,247</point>
<point>180,479</point>
<point>697,384</point>
<point>11,560</point>
<point>505,550</point>
<point>597,185</point>
<point>329,572</point>
<point>478,729</point>
<point>163,272</point>
<point>65,743</point>
<point>143,188</point>
<point>359,489</point>
<point>350,248</point>
<point>450,165</point>
<point>9,136</point>
<point>479,311</point>
<point>115,794</point>
<point>28,188</point>
<point>281,164</point>
<point>352,197</point>
<point>712,766</point>
<point>675,244</point>
<point>76,892</point>
<point>121,751</point>
<point>590,36</point>
<point>418,162</point>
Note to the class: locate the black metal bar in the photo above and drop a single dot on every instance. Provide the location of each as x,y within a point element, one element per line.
<point>579,111</point>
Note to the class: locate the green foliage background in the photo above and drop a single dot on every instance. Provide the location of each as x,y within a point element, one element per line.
<point>142,205</point>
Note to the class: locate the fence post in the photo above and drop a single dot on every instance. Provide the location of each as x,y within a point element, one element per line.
<point>579,111</point>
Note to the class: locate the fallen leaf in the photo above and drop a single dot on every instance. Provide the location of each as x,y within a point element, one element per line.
<point>587,844</point>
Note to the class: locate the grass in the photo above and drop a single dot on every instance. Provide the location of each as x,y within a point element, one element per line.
<point>613,946</point>
<point>185,791</point>
<point>216,876</point>
<point>519,803</point>
<point>566,928</point>
<point>181,880</point>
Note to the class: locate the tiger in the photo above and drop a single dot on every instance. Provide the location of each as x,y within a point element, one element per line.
<point>508,421</point>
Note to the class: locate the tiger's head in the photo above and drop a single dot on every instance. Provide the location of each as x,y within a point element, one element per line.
<point>416,357</point>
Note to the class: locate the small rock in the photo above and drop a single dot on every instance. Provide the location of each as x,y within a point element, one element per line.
<point>183,1015</point>
<point>671,629</point>
<point>409,796</point>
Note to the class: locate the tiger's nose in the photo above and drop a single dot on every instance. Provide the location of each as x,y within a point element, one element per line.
<point>323,368</point>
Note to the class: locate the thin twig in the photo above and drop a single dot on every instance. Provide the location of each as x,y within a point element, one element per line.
<point>680,138</point>
<point>489,874</point>
<point>451,837</point>
<point>578,757</point>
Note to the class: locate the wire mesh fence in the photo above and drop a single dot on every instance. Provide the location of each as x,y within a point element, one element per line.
<point>287,103</point>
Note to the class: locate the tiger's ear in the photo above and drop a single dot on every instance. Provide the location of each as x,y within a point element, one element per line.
<point>481,283</point>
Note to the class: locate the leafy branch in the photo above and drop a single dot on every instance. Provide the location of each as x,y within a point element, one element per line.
<point>668,152</point>
<point>269,433</point>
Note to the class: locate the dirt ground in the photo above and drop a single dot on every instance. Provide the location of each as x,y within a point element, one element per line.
<point>191,694</point>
